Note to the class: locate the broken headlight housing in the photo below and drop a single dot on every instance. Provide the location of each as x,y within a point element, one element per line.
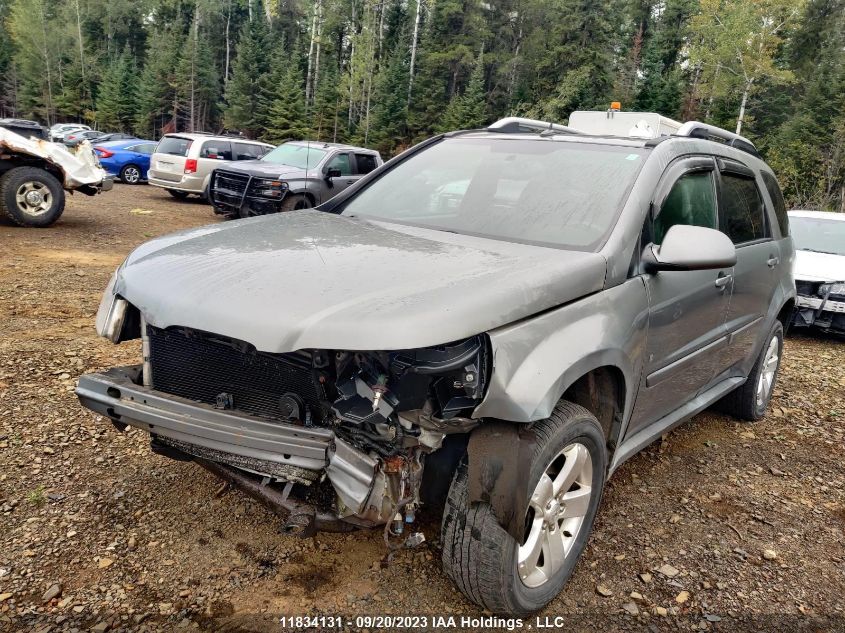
<point>112,312</point>
<point>385,399</point>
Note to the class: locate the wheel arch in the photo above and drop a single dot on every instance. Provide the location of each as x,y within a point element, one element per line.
<point>301,191</point>
<point>603,391</point>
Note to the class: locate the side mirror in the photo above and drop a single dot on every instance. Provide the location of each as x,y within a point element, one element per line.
<point>690,248</point>
<point>332,173</point>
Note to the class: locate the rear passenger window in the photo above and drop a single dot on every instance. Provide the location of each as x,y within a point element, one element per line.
<point>692,201</point>
<point>248,151</point>
<point>366,163</point>
<point>219,150</point>
<point>777,199</point>
<point>741,216</point>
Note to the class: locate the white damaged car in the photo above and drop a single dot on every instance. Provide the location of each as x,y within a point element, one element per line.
<point>819,269</point>
<point>34,175</point>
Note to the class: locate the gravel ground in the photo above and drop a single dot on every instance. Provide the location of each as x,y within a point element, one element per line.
<point>720,525</point>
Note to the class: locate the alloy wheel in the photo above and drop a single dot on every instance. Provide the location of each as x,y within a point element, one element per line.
<point>131,175</point>
<point>767,373</point>
<point>34,198</point>
<point>555,515</point>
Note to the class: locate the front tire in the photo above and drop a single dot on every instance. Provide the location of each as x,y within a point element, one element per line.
<point>30,196</point>
<point>130,174</point>
<point>750,401</point>
<point>567,475</point>
<point>295,202</point>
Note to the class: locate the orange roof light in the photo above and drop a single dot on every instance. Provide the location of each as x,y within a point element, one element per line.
<point>616,106</point>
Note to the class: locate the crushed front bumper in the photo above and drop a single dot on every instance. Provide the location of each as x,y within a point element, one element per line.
<point>247,442</point>
<point>826,314</point>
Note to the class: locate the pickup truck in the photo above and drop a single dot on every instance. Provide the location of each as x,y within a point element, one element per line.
<point>35,173</point>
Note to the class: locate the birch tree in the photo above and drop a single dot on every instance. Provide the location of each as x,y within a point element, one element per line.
<point>735,46</point>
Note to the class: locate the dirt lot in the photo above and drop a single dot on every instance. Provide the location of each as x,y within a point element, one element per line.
<point>750,517</point>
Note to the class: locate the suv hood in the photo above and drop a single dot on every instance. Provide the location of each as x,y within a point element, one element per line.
<point>309,279</point>
<point>810,266</point>
<point>265,169</point>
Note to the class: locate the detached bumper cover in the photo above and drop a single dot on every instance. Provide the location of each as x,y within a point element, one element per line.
<point>114,395</point>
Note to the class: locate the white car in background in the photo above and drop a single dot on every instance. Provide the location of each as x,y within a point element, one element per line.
<point>58,132</point>
<point>819,269</point>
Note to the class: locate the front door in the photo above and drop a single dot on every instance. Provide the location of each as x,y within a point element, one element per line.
<point>687,309</point>
<point>344,163</point>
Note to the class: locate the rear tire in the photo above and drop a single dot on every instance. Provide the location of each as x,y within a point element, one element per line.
<point>750,401</point>
<point>30,196</point>
<point>486,563</point>
<point>179,195</point>
<point>130,174</point>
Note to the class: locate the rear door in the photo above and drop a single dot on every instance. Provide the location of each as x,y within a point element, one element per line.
<point>365,163</point>
<point>743,218</point>
<point>687,309</point>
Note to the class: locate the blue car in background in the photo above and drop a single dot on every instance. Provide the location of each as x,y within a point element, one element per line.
<point>128,159</point>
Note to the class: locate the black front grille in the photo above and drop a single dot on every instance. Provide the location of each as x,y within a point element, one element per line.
<point>230,182</point>
<point>807,288</point>
<point>220,371</point>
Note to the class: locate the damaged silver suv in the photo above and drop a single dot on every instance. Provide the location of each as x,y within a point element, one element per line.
<point>491,322</point>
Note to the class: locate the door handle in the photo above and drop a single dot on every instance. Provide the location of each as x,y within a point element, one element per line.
<point>723,280</point>
<point>349,182</point>
<point>773,261</point>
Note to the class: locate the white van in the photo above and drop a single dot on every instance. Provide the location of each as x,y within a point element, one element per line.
<point>182,162</point>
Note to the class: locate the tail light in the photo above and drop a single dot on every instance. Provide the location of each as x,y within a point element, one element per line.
<point>71,137</point>
<point>191,166</point>
<point>102,152</point>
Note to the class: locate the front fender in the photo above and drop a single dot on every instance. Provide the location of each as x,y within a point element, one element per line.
<point>311,187</point>
<point>537,359</point>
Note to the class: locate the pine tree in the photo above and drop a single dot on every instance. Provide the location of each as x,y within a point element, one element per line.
<point>198,84</point>
<point>286,116</point>
<point>7,79</point>
<point>248,93</point>
<point>158,83</point>
<point>390,112</point>
<point>117,99</point>
<point>324,117</point>
<point>468,111</point>
<point>660,88</point>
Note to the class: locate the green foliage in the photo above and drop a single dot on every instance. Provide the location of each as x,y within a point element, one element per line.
<point>159,65</point>
<point>286,119</point>
<point>37,497</point>
<point>390,110</point>
<point>157,85</point>
<point>467,111</point>
<point>117,99</point>
<point>326,111</point>
<point>248,92</point>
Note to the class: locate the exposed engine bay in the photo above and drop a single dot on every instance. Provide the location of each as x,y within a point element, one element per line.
<point>379,413</point>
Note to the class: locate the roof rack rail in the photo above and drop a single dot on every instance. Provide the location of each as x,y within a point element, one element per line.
<point>519,125</point>
<point>696,129</point>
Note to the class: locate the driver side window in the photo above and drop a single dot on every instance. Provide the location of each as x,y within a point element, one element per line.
<point>341,162</point>
<point>691,201</point>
